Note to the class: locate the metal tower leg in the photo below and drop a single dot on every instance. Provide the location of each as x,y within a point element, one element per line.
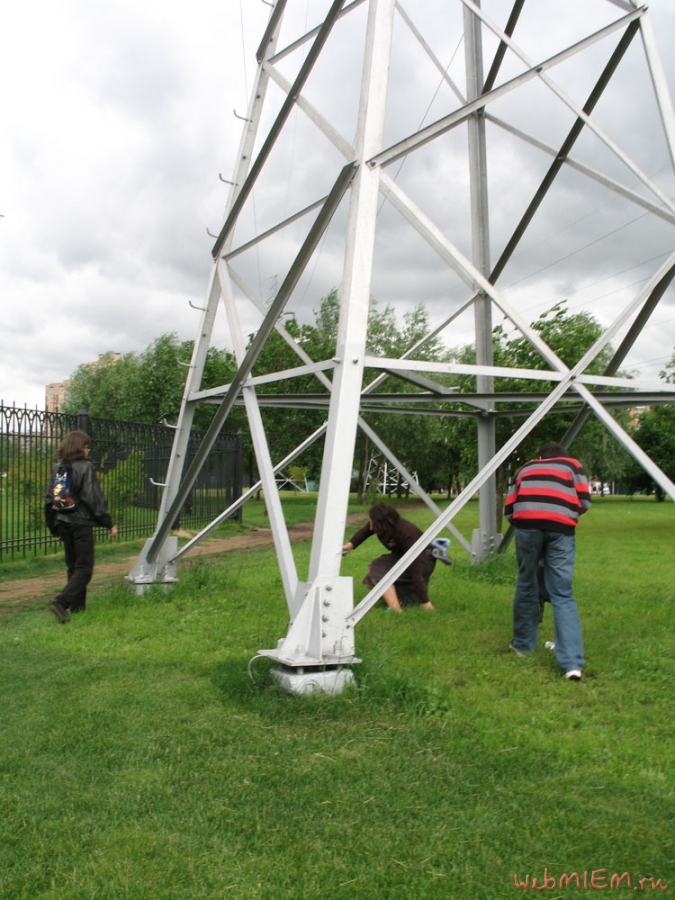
<point>318,635</point>
<point>484,537</point>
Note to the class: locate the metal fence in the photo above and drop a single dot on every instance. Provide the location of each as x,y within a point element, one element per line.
<point>131,461</point>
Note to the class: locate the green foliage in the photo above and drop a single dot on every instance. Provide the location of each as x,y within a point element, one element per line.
<point>655,433</point>
<point>147,387</point>
<point>24,485</point>
<point>570,336</point>
<point>285,427</point>
<point>298,474</point>
<point>124,482</point>
<point>440,449</point>
<point>425,457</point>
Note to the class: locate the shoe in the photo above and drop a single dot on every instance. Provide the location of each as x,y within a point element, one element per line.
<point>573,675</point>
<point>518,652</point>
<point>60,612</point>
<point>550,645</point>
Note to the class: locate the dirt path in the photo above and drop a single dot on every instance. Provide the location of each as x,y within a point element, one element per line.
<point>14,594</point>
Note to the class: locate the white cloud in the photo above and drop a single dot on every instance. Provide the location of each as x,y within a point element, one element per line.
<point>118,118</point>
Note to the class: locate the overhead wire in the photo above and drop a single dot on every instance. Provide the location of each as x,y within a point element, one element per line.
<point>592,301</point>
<point>570,226</point>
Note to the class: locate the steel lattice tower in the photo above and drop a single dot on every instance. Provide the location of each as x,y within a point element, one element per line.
<point>359,179</point>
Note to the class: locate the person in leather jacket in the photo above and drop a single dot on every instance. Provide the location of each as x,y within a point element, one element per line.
<point>75,529</point>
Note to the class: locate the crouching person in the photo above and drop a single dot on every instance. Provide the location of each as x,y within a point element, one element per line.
<point>398,535</point>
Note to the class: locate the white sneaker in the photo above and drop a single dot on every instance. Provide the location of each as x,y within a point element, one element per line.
<point>573,675</point>
<point>517,651</point>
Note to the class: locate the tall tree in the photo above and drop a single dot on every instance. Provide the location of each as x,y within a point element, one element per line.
<point>385,338</point>
<point>654,432</point>
<point>569,335</point>
<point>107,388</point>
<point>146,387</point>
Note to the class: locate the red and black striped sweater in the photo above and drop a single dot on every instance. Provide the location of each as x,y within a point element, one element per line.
<point>549,495</point>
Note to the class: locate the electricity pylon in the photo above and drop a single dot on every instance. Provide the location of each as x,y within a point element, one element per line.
<point>347,185</point>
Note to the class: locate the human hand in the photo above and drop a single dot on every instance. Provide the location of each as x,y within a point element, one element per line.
<point>113,531</point>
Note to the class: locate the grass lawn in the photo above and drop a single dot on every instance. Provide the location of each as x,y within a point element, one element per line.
<point>140,761</point>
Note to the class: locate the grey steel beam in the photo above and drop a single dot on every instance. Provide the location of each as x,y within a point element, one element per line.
<point>569,102</point>
<point>535,70</point>
<point>240,501</point>
<point>275,131</point>
<point>590,172</point>
<point>660,83</point>
<point>415,486</point>
<point>263,236</point>
<point>316,232</point>
<point>565,149</point>
<point>503,46</point>
<point>420,404</point>
<point>341,144</point>
<point>354,299</point>
<point>480,244</point>
<point>439,390</point>
<point>624,348</point>
<point>300,42</point>
<point>271,30</point>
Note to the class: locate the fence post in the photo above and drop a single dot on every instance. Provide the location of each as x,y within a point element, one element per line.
<point>239,471</point>
<point>83,421</point>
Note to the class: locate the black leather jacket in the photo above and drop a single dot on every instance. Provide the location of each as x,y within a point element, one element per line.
<point>91,507</point>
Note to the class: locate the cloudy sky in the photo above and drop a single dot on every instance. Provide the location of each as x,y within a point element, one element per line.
<point>118,118</point>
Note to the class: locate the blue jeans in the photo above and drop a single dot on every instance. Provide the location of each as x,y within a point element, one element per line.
<point>557,552</point>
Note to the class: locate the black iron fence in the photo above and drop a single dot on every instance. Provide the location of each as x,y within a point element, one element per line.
<point>131,460</point>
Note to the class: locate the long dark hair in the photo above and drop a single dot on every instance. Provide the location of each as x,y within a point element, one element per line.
<point>72,446</point>
<point>383,519</point>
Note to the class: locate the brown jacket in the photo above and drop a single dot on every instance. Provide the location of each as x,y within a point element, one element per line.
<point>406,535</point>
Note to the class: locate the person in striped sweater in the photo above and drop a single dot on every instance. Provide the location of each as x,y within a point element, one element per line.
<point>544,504</point>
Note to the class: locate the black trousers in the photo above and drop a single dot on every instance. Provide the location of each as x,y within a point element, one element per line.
<point>78,543</point>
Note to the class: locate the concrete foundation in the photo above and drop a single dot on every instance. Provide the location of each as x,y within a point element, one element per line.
<point>331,680</point>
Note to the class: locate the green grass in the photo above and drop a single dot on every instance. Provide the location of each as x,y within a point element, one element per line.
<point>138,759</point>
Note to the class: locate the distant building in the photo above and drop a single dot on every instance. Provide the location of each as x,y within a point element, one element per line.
<point>55,394</point>
<point>636,414</point>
